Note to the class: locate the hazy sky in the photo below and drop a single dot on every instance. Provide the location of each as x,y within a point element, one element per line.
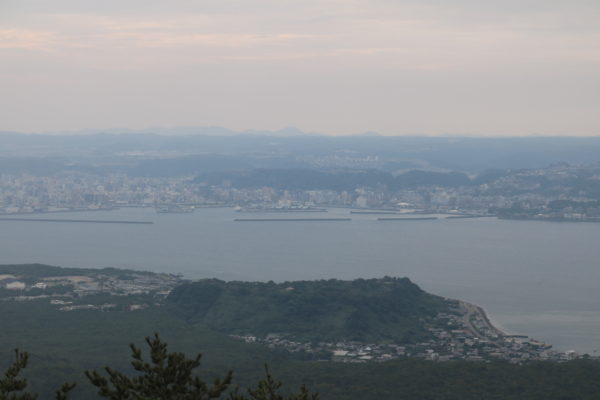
<point>504,67</point>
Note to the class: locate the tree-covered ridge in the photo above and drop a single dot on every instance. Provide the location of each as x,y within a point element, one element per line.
<point>388,309</point>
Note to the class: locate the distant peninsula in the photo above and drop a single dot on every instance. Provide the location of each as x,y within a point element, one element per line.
<point>351,321</point>
<point>345,321</point>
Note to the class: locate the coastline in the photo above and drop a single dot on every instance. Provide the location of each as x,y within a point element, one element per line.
<point>472,311</point>
<point>498,326</point>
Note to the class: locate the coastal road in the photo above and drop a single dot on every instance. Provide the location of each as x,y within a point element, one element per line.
<point>472,312</point>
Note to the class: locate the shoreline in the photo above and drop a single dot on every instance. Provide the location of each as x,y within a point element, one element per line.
<point>497,325</point>
<point>470,310</point>
<point>489,321</point>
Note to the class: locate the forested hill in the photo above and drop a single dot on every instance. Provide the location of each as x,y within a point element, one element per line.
<point>388,309</point>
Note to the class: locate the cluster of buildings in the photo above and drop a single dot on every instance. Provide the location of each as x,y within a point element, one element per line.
<point>82,192</point>
<point>513,194</point>
<point>342,351</point>
<point>132,290</point>
<point>465,333</point>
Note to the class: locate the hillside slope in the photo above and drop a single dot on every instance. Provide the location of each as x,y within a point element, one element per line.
<point>388,309</point>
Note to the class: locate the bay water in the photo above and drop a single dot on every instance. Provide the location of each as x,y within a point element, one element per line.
<point>540,279</point>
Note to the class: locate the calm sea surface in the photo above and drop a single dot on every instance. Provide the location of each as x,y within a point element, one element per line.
<point>541,279</point>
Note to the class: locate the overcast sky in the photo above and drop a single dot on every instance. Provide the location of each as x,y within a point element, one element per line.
<point>431,67</point>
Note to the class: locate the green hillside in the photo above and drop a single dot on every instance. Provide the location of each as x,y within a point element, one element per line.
<point>388,309</point>
<point>63,344</point>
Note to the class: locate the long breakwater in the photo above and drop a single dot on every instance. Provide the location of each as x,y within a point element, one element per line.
<point>93,221</point>
<point>408,219</point>
<point>290,219</point>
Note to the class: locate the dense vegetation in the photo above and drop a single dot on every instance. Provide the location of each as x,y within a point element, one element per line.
<point>63,345</point>
<point>162,375</point>
<point>388,309</point>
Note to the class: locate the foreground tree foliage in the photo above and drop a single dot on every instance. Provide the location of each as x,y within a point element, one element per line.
<point>12,386</point>
<point>268,389</point>
<point>165,376</point>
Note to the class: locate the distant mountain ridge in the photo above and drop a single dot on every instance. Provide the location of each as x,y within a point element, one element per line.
<point>472,155</point>
<point>208,130</point>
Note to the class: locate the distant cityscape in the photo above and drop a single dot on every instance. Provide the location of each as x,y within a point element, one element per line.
<point>559,192</point>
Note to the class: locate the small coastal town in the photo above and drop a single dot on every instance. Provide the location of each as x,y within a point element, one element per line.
<point>464,334</point>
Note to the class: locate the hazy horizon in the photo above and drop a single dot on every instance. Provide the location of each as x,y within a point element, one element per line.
<point>340,67</point>
<point>281,132</point>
